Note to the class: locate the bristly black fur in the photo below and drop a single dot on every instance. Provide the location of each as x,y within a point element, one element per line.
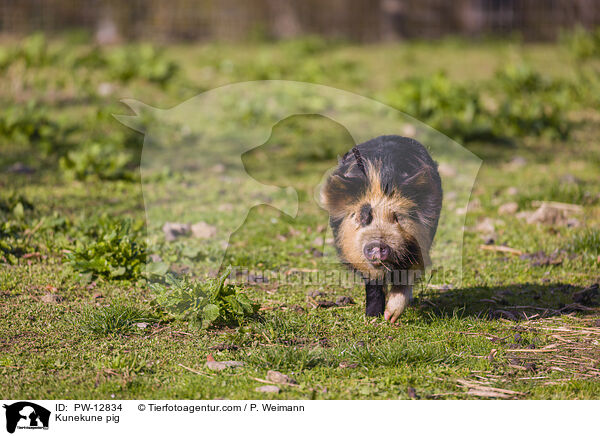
<point>405,168</point>
<point>375,298</point>
<point>359,160</point>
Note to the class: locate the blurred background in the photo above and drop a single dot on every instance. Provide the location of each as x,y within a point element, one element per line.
<point>357,20</point>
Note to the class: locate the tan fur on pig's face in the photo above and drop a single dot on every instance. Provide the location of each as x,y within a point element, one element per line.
<point>389,222</point>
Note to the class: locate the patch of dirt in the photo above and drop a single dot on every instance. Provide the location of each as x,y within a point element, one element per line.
<point>317,299</point>
<point>541,258</point>
<point>553,214</point>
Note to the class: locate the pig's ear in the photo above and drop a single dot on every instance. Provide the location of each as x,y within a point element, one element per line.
<point>143,115</point>
<point>354,172</point>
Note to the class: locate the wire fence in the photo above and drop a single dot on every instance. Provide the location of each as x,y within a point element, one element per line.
<point>359,20</point>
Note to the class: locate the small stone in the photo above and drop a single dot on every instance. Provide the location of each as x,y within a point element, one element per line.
<point>173,230</point>
<point>278,377</point>
<point>203,230</point>
<point>221,365</point>
<point>216,366</point>
<point>268,389</point>
<point>508,208</point>
<point>141,325</point>
<point>52,298</point>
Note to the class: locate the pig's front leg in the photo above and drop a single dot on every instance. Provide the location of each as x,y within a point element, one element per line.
<point>398,299</point>
<point>375,299</point>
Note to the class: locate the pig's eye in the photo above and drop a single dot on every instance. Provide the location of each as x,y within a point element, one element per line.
<point>365,215</point>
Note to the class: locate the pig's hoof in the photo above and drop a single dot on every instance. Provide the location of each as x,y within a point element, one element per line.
<point>396,304</point>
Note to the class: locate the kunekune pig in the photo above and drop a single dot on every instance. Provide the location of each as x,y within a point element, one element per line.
<point>384,201</point>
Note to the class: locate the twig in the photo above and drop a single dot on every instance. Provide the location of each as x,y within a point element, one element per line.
<point>35,229</point>
<point>266,337</point>
<point>182,333</point>
<point>195,371</point>
<point>531,307</point>
<point>501,248</point>
<point>274,382</point>
<point>558,205</point>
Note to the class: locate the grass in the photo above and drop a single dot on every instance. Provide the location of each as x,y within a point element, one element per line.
<point>113,319</point>
<point>586,241</point>
<point>70,227</point>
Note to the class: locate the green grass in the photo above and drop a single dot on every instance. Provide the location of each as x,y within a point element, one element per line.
<point>70,225</point>
<point>586,241</point>
<point>116,318</point>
